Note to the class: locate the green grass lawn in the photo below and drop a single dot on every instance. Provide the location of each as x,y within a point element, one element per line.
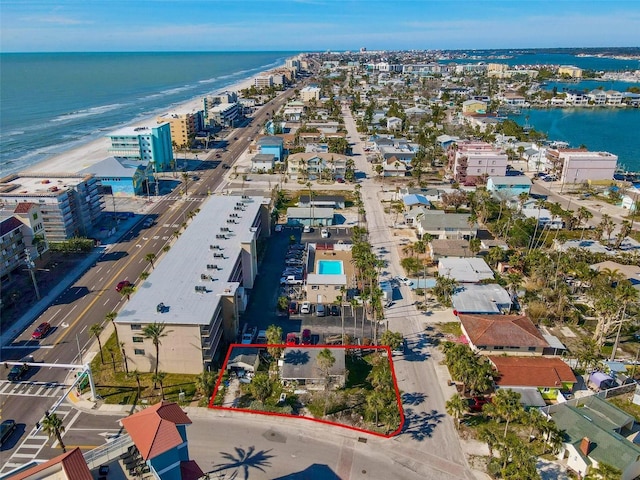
<point>116,387</point>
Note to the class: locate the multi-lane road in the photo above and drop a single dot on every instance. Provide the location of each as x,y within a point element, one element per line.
<point>93,295</point>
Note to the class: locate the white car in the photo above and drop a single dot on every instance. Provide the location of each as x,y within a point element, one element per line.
<point>278,228</point>
<point>305,307</point>
<point>306,229</point>
<point>324,233</point>
<point>406,281</point>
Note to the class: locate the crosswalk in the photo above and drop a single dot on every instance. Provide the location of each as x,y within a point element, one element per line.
<point>32,389</point>
<point>30,448</point>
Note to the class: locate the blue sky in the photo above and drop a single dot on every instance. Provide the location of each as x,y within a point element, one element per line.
<point>220,25</point>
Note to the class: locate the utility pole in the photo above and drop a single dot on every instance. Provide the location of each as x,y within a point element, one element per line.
<point>31,266</point>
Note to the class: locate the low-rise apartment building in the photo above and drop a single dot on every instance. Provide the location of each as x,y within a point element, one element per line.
<point>183,125</point>
<point>70,205</point>
<point>472,161</point>
<point>310,92</point>
<point>580,165</point>
<point>198,289</point>
<point>316,165</point>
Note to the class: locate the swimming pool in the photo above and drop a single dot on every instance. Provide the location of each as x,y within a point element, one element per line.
<point>330,267</point>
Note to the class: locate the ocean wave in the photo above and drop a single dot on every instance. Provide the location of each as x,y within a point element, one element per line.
<point>67,117</point>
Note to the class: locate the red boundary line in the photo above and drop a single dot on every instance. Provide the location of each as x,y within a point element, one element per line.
<point>318,420</point>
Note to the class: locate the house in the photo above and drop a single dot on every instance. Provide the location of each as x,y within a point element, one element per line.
<point>415,199</point>
<point>544,218</point>
<point>576,97</point>
<point>68,466</point>
<point>299,216</point>
<point>628,245</point>
<point>323,201</point>
<point>244,358</point>
<point>613,97</point>
<point>443,225</point>
<point>629,272</point>
<point>597,96</point>
<point>312,166</point>
<point>273,145</point>
<point>393,167</point>
<point>263,162</point>
<point>445,141</point>
<point>473,107</point>
<point>549,375</point>
<point>465,270</point>
<point>513,99</point>
<point>487,244</point>
<point>481,299</point>
<point>595,432</point>
<point>439,248</point>
<point>509,187</point>
<point>394,123</point>
<point>159,433</point>
<point>502,334</point>
<point>630,202</point>
<point>299,366</point>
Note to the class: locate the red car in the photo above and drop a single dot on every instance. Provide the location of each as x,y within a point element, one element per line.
<point>292,339</point>
<point>293,308</point>
<point>122,284</point>
<point>476,403</point>
<point>41,331</point>
<point>306,337</point>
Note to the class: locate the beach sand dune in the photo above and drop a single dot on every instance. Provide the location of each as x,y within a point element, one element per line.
<point>83,156</point>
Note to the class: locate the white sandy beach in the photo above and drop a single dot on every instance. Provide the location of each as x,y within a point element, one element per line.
<point>78,158</point>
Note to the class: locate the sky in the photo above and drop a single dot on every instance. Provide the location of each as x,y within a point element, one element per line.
<point>314,25</point>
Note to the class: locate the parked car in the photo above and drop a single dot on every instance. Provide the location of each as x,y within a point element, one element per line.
<point>122,284</point>
<point>249,335</point>
<point>262,336</point>
<point>306,337</point>
<point>334,310</point>
<point>307,229</point>
<point>340,180</point>
<point>292,339</point>
<point>7,427</point>
<point>293,308</point>
<point>476,403</point>
<point>291,280</point>
<point>41,331</point>
<point>405,281</point>
<point>320,310</point>
<point>324,233</point>
<point>305,308</point>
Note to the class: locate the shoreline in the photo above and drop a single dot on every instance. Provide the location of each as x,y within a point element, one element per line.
<point>79,157</point>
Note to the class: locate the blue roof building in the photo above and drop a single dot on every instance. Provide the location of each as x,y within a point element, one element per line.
<point>272,145</point>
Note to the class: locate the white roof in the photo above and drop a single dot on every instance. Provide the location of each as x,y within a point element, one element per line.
<point>465,270</point>
<point>480,299</point>
<point>177,273</point>
<point>322,279</point>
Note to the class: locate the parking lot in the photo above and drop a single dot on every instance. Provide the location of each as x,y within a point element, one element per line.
<point>262,309</point>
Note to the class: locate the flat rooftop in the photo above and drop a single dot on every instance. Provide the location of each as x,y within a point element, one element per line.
<point>465,270</point>
<point>177,273</point>
<point>135,130</point>
<point>40,183</point>
<point>481,299</point>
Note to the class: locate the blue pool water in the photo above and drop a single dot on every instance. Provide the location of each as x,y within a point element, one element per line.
<point>330,267</point>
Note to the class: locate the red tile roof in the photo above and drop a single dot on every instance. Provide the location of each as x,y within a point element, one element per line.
<point>153,430</point>
<point>532,371</point>
<point>190,470</point>
<point>72,462</point>
<point>24,207</point>
<point>502,330</point>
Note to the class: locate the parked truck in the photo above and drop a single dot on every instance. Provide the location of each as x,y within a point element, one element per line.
<point>387,292</point>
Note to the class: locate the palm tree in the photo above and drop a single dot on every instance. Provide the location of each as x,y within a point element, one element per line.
<point>506,405</point>
<point>159,378</point>
<point>127,290</point>
<point>625,293</point>
<point>608,226</point>
<point>52,426</point>
<point>150,257</point>
<point>456,407</point>
<point>96,329</point>
<point>111,317</point>
<point>584,215</point>
<point>185,179</point>
<point>274,337</point>
<point>137,376</point>
<point>39,242</point>
<point>325,361</point>
<point>155,331</point>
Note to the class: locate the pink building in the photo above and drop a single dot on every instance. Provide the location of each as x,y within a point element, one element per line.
<point>473,161</point>
<point>580,165</point>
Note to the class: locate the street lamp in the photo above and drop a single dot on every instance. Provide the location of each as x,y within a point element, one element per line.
<point>31,266</point>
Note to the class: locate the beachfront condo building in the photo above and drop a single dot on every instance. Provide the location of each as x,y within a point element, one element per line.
<point>222,114</point>
<point>148,143</point>
<point>183,125</point>
<point>578,165</point>
<point>570,71</point>
<point>198,288</point>
<point>263,81</point>
<point>473,161</point>
<point>70,204</point>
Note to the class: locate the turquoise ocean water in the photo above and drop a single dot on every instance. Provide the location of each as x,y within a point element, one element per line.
<point>51,102</point>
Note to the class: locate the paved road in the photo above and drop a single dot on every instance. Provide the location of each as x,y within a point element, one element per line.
<point>428,429</point>
<point>93,295</point>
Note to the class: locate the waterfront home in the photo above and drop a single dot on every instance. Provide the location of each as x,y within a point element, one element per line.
<point>613,97</point>
<point>549,375</point>
<point>596,431</point>
<point>576,97</point>
<point>597,97</point>
<point>439,224</point>
<point>481,299</point>
<point>578,165</point>
<point>198,289</point>
<point>512,99</point>
<point>509,187</point>
<point>502,334</point>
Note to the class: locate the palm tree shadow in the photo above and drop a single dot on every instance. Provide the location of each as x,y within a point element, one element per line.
<point>420,425</point>
<point>415,398</point>
<point>243,460</point>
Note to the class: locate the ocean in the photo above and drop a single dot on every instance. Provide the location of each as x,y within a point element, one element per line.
<point>52,102</point>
